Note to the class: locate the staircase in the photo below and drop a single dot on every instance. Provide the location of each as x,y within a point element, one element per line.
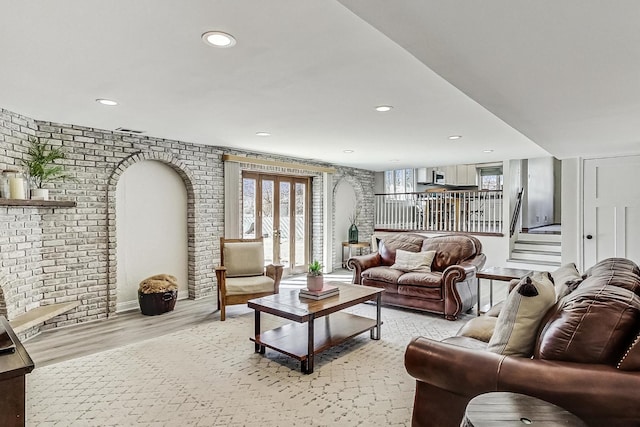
<point>536,248</point>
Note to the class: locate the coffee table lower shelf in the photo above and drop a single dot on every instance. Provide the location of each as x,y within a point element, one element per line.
<point>329,331</point>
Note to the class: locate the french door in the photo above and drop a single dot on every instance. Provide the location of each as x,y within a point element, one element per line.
<point>277,208</point>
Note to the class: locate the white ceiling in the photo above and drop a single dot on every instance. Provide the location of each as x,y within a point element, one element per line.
<point>564,76</point>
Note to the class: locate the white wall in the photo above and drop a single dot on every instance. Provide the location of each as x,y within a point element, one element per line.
<point>540,190</point>
<point>151,221</point>
<point>572,212</point>
<point>345,200</point>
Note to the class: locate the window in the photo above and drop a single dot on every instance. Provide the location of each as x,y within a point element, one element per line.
<point>399,181</point>
<point>491,178</point>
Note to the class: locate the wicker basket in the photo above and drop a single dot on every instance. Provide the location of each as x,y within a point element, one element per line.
<point>157,303</point>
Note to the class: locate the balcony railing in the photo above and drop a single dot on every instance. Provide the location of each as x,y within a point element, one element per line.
<point>464,211</point>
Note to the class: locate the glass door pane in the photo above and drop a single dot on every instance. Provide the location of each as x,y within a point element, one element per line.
<point>249,187</point>
<point>267,204</point>
<point>300,224</point>
<point>284,221</point>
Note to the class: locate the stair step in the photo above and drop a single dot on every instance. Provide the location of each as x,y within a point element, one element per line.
<point>536,255</point>
<point>535,262</point>
<point>39,315</point>
<point>530,237</point>
<point>538,246</point>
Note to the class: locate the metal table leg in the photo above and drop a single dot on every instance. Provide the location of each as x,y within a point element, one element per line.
<point>258,347</point>
<point>478,306</point>
<point>307,368</point>
<point>375,332</point>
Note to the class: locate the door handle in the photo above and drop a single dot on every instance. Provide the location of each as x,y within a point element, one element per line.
<point>589,237</point>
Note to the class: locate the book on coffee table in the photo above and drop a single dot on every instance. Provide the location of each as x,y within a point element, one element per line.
<point>326,292</point>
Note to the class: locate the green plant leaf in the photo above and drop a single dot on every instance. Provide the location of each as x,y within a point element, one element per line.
<point>40,165</point>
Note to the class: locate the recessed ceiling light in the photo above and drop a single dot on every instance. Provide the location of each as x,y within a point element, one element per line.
<point>455,137</point>
<point>218,39</point>
<point>263,134</point>
<point>384,108</point>
<point>487,151</point>
<point>347,151</point>
<point>106,101</point>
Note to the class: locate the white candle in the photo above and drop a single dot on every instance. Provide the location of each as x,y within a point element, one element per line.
<point>16,188</point>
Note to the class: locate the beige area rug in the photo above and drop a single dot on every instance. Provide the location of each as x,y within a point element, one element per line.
<point>209,375</point>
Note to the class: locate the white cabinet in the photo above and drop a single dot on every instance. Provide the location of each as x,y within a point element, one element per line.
<point>450,174</point>
<point>466,174</point>
<point>424,175</point>
<point>453,175</point>
<point>460,174</point>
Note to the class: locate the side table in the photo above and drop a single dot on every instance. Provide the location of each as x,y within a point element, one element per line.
<point>500,274</point>
<point>504,409</point>
<point>359,246</point>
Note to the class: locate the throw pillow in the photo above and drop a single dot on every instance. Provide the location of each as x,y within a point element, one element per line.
<point>414,261</point>
<point>565,279</point>
<point>517,325</point>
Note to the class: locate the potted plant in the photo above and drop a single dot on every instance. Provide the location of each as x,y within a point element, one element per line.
<point>41,167</point>
<point>315,280</point>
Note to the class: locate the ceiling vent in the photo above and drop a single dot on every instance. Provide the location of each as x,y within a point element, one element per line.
<point>129,130</point>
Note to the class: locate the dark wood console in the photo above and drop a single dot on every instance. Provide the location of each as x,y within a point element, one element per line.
<point>15,364</point>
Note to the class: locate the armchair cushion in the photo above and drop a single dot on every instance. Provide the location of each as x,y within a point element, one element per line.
<point>244,258</point>
<point>413,261</point>
<point>249,285</point>
<point>517,325</point>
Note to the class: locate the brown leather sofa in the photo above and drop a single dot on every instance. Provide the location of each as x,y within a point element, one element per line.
<point>586,358</point>
<point>449,288</point>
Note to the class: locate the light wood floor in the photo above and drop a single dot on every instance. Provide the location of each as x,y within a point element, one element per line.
<point>61,344</point>
<point>126,328</point>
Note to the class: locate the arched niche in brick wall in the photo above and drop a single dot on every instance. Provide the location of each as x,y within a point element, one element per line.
<point>151,229</point>
<point>188,180</point>
<point>347,196</point>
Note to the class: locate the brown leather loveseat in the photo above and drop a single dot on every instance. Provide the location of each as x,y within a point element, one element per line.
<point>449,288</point>
<point>586,357</point>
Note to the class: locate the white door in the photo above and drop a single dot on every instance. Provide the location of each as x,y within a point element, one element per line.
<point>611,209</point>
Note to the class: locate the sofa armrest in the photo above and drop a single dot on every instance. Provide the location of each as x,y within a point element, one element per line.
<point>477,261</point>
<point>459,287</point>
<point>447,378</point>
<point>447,366</point>
<point>450,376</point>
<point>360,263</point>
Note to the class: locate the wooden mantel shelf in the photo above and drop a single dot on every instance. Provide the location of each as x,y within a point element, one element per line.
<point>38,203</point>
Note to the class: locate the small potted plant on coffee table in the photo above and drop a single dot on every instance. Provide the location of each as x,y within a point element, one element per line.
<point>315,280</point>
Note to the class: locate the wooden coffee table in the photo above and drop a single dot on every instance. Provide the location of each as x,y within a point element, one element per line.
<point>319,325</point>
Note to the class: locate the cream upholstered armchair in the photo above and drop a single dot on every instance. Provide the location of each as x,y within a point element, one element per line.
<point>242,275</point>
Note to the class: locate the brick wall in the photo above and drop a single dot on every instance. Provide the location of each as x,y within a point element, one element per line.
<point>57,255</point>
